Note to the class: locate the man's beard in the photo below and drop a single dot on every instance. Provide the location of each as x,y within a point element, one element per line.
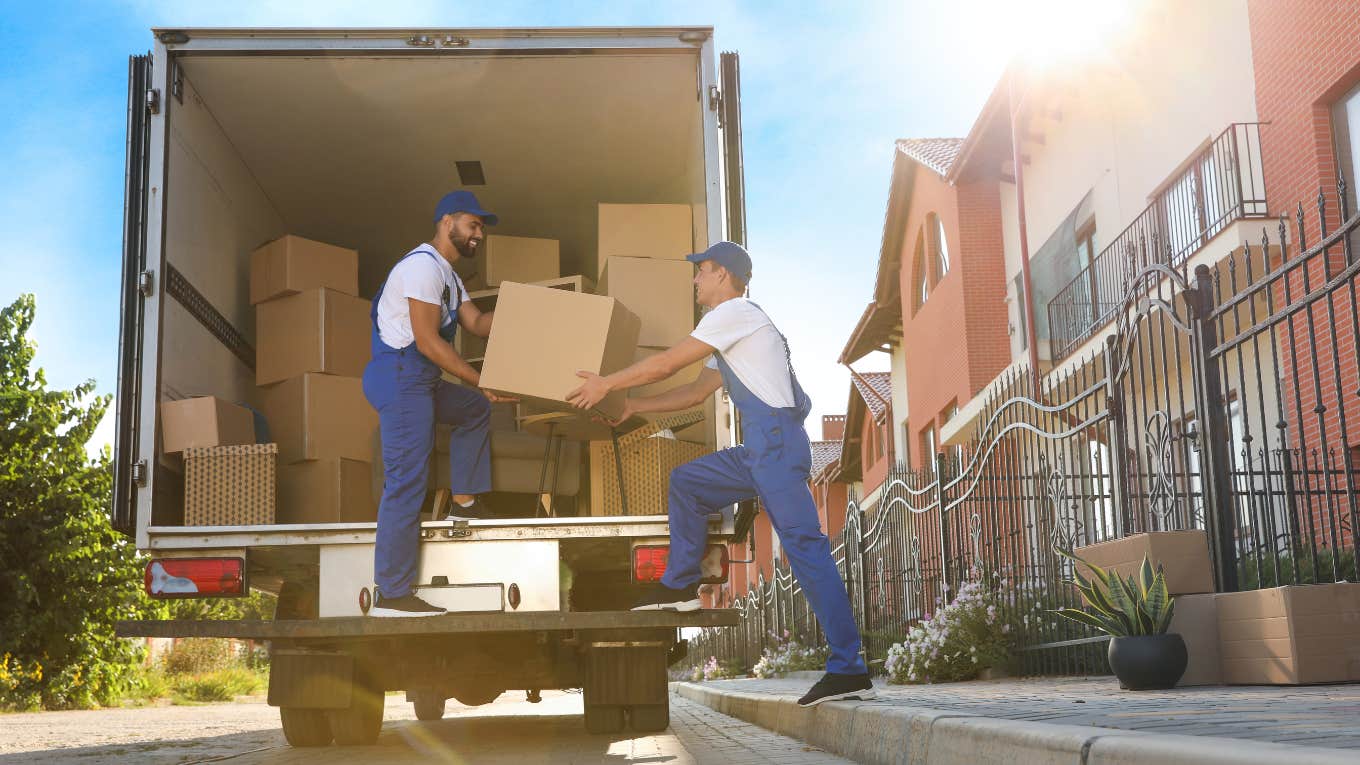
<point>464,248</point>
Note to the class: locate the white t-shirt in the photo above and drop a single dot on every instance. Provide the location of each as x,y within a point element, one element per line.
<point>425,278</point>
<point>751,345</point>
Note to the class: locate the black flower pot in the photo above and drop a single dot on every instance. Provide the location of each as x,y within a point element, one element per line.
<point>1148,662</point>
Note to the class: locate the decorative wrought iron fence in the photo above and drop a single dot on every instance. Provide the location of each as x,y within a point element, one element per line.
<point>1220,403</point>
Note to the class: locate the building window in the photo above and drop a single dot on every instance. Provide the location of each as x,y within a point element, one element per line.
<point>939,244</point>
<point>918,268</point>
<point>928,448</point>
<point>1346,142</point>
<point>1086,253</point>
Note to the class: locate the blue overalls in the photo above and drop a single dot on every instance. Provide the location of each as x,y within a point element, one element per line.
<point>410,396</point>
<point>773,463</point>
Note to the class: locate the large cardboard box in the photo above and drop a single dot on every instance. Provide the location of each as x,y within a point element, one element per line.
<point>1184,556</point>
<point>204,421</point>
<point>291,264</point>
<point>316,416</point>
<point>542,337</point>
<point>647,466</point>
<point>1196,621</point>
<point>519,259</point>
<point>229,485</point>
<point>645,231</point>
<point>326,491</point>
<point>660,292</point>
<point>1291,635</point>
<point>317,330</point>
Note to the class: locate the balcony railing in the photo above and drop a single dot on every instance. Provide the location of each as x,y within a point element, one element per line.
<point>1220,185</point>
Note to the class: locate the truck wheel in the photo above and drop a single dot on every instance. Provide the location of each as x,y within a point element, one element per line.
<point>601,718</point>
<point>305,727</point>
<point>649,718</point>
<point>360,723</point>
<point>429,706</point>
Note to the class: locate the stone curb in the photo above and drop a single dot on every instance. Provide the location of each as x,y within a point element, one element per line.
<point>878,733</point>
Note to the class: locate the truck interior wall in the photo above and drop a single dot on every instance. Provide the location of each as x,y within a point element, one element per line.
<point>216,215</point>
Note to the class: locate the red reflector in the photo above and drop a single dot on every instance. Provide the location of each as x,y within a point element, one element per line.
<point>649,563</point>
<point>196,578</point>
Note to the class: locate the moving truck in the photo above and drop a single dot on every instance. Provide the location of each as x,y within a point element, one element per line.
<point>237,137</point>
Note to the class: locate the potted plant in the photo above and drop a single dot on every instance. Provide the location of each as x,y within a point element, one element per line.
<point>1135,613</point>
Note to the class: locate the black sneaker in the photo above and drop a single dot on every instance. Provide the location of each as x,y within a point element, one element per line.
<point>473,512</point>
<point>836,687</point>
<point>662,598</point>
<point>406,605</point>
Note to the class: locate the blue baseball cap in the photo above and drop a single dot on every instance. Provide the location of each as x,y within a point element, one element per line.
<point>729,255</point>
<point>463,201</point>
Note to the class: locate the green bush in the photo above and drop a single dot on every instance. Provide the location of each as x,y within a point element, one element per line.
<point>147,685</point>
<point>196,656</point>
<point>1311,569</point>
<point>222,685</point>
<point>66,576</point>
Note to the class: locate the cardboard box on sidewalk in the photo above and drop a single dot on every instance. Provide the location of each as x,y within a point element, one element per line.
<point>645,231</point>
<point>1183,555</point>
<point>543,336</point>
<point>1196,621</point>
<point>326,491</point>
<point>291,264</point>
<point>1292,635</point>
<point>519,259</point>
<point>660,292</point>
<point>229,485</point>
<point>316,416</point>
<point>317,330</point>
<point>204,421</point>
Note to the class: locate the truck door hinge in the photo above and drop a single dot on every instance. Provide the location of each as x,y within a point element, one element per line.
<point>420,41</point>
<point>153,101</point>
<point>715,99</point>
<point>139,472</point>
<point>450,41</point>
<point>146,283</point>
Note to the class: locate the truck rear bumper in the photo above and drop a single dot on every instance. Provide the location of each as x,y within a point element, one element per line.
<point>370,627</point>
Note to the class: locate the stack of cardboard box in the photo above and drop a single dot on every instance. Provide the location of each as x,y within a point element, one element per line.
<point>228,478</point>
<point>313,340</point>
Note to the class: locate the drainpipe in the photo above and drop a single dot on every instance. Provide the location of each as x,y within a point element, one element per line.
<point>1026,281</point>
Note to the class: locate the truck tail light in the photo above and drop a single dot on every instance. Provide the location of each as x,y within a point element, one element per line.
<point>196,578</point>
<point>649,563</point>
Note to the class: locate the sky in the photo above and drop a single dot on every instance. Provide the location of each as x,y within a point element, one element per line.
<point>827,87</point>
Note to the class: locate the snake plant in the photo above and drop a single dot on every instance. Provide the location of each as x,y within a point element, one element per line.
<point>1121,607</point>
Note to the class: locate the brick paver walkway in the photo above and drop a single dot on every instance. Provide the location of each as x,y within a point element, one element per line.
<point>1322,716</point>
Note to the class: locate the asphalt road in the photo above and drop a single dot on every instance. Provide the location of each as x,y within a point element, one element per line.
<point>510,731</point>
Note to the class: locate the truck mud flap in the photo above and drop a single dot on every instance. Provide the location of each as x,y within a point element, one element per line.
<point>626,673</point>
<point>310,680</point>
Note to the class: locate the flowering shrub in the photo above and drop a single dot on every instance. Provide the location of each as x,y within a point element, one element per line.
<point>967,636</point>
<point>788,656</point>
<point>714,670</point>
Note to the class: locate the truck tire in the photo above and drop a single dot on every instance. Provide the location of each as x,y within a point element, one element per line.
<point>360,723</point>
<point>305,727</point>
<point>602,718</point>
<point>429,705</point>
<point>649,718</point>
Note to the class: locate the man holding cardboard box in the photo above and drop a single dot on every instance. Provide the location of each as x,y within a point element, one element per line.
<point>749,356</point>
<point>415,316</point>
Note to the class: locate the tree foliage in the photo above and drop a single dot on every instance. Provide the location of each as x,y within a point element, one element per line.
<point>65,575</point>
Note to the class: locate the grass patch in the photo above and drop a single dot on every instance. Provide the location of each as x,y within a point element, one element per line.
<point>220,685</point>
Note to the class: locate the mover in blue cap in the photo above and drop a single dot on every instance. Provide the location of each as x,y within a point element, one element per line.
<point>750,357</point>
<point>415,315</point>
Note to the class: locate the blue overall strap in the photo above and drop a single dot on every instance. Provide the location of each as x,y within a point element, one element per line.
<point>446,332</point>
<point>801,400</point>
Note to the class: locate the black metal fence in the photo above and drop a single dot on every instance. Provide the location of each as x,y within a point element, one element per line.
<point>1219,401</point>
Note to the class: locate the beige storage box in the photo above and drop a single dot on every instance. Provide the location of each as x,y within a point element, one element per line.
<point>204,421</point>
<point>1183,555</point>
<point>316,416</point>
<point>543,336</point>
<point>660,292</point>
<point>1196,620</point>
<point>229,485</point>
<point>326,491</point>
<point>645,231</point>
<point>519,259</point>
<point>1293,635</point>
<point>318,330</point>
<point>290,264</point>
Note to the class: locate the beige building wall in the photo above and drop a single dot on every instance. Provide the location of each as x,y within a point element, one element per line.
<point>901,438</point>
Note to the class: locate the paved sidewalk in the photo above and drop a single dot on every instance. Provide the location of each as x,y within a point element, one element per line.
<point>1057,720</point>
